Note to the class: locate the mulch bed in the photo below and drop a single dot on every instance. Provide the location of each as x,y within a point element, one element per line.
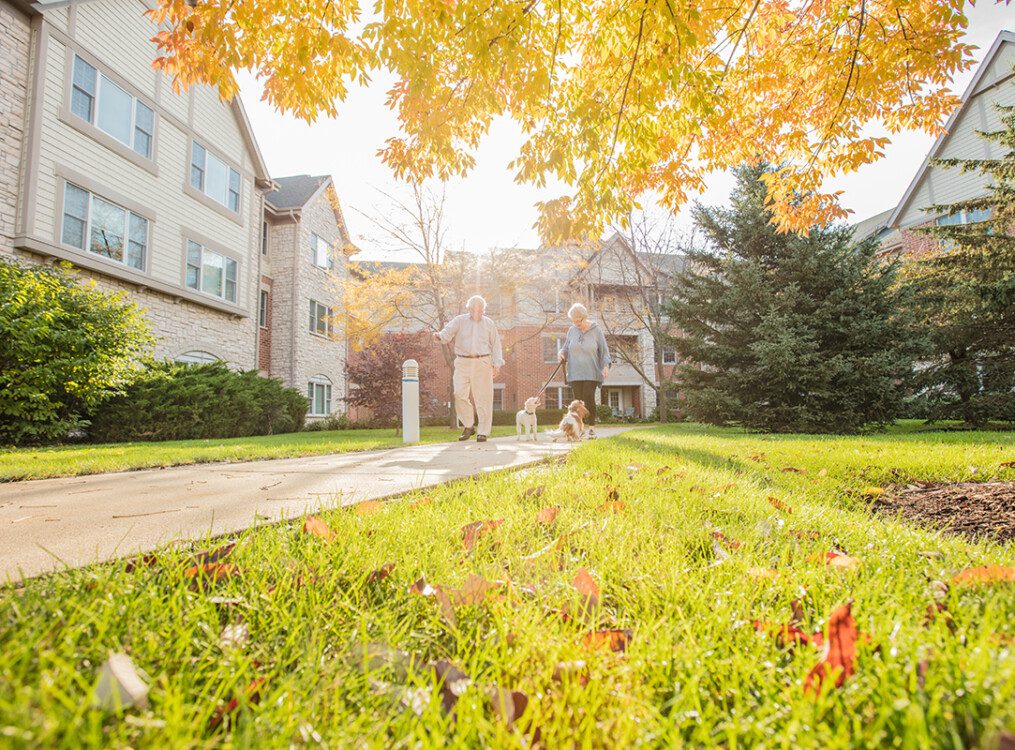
<point>971,509</point>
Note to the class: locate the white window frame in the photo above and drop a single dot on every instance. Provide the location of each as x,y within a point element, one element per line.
<point>197,357</point>
<point>669,355</point>
<point>262,308</point>
<point>317,245</point>
<point>87,221</point>
<point>100,80</point>
<point>202,186</point>
<point>498,391</point>
<point>315,316</point>
<point>559,344</point>
<point>562,393</point>
<point>204,251</point>
<point>264,238</point>
<point>324,384</point>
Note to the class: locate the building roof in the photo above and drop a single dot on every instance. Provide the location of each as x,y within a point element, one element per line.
<point>1003,38</point>
<point>295,191</point>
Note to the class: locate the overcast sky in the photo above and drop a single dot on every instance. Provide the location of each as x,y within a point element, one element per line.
<point>488,209</point>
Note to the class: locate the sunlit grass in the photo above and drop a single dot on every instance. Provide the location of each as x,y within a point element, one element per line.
<point>73,460</point>
<point>696,672</point>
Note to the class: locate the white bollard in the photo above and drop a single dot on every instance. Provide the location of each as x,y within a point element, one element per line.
<point>410,401</point>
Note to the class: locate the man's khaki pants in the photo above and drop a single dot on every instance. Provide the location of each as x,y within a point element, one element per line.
<point>474,376</point>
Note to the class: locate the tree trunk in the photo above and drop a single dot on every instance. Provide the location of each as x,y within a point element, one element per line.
<point>662,403</point>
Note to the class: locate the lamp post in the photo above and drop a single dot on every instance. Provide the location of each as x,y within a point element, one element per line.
<point>410,401</point>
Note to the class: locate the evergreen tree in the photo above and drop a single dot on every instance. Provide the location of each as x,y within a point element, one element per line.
<point>784,332</point>
<point>966,293</point>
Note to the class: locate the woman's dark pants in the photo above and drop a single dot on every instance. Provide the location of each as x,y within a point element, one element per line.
<point>585,390</point>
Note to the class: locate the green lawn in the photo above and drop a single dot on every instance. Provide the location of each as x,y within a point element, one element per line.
<point>73,460</point>
<point>344,655</point>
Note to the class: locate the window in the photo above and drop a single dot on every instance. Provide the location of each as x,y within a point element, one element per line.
<point>551,346</point>
<point>214,177</point>
<point>98,226</point>
<point>320,253</point>
<point>211,272</point>
<point>262,309</point>
<point>615,400</point>
<point>197,358</point>
<point>321,318</point>
<point>557,397</point>
<point>264,238</point>
<point>97,100</point>
<point>498,399</point>
<point>319,396</point>
<point>669,356</point>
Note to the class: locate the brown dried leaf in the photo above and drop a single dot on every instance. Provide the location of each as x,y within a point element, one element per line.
<point>422,502</point>
<point>731,543</point>
<point>547,515</point>
<point>451,683</point>
<point>368,507</point>
<point>507,705</point>
<point>376,576</point>
<point>779,504</point>
<point>616,506</point>
<point>985,574</point>
<point>317,527</point>
<point>586,585</point>
<point>421,587</point>
<point>612,492</point>
<point>536,491</point>
<point>143,561</point>
<point>251,696</point>
<point>572,670</point>
<point>213,572</point>
<point>615,640</point>
<point>793,470</point>
<point>471,532</point>
<point>839,657</point>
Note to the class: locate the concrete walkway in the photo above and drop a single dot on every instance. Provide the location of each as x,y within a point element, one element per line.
<point>48,524</point>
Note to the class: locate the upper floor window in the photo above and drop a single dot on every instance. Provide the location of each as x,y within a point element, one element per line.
<point>214,177</point>
<point>211,272</point>
<point>264,238</point>
<point>320,253</point>
<point>964,217</point>
<point>321,318</point>
<point>262,309</point>
<point>97,100</point>
<point>98,226</point>
<point>551,346</point>
<point>669,355</point>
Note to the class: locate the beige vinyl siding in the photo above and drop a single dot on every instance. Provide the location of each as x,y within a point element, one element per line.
<point>59,18</point>
<point>119,34</point>
<point>175,104</point>
<point>63,147</point>
<point>215,122</point>
<point>940,185</point>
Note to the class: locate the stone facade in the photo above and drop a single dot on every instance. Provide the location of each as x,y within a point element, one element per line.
<point>15,56</point>
<point>298,355</point>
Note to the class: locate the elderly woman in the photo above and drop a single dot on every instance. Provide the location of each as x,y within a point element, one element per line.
<point>588,359</point>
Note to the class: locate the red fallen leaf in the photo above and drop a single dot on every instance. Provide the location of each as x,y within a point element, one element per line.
<point>793,470</point>
<point>214,572</point>
<point>779,504</point>
<point>985,574</point>
<point>547,515</point>
<point>144,561</point>
<point>758,457</point>
<point>536,491</point>
<point>252,695</point>
<point>839,655</point>
<point>368,507</point>
<point>731,543</point>
<point>471,532</point>
<point>615,640</point>
<point>586,585</point>
<point>317,527</point>
<point>572,670</point>
<point>616,506</point>
<point>786,635</point>
<point>376,576</point>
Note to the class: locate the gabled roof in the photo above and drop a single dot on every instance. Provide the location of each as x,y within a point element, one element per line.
<point>296,191</point>
<point>864,229</point>
<point>1004,37</point>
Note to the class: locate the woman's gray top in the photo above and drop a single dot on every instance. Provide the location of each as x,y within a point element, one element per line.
<point>586,353</point>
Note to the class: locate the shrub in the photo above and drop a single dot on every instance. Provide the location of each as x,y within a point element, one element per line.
<point>604,413</point>
<point>66,346</point>
<point>334,422</point>
<point>174,401</point>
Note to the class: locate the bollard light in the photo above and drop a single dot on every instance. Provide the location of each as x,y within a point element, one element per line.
<point>410,401</point>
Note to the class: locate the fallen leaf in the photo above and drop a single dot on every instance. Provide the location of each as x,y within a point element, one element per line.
<point>724,487</point>
<point>572,670</point>
<point>615,640</point>
<point>823,473</point>
<point>779,504</point>
<point>447,608</point>
<point>422,502</point>
<point>839,655</point>
<point>214,555</point>
<point>803,534</point>
<point>119,685</point>
<point>985,574</point>
<point>472,592</point>
<point>536,491</point>
<point>451,683</point>
<point>234,636</point>
<point>612,492</point>
<point>762,574</point>
<point>368,507</point>
<point>757,457</point>
<point>213,572</point>
<point>843,562</point>
<point>507,705</point>
<point>1007,465</point>
<point>663,470</point>
<point>471,532</point>
<point>376,576</point>
<point>793,470</point>
<point>251,696</point>
<point>315,526</point>
<point>421,587</point>
<point>586,585</point>
<point>635,467</point>
<point>547,515</point>
<point>614,505</point>
<point>872,492</point>
<point>786,636</point>
<point>144,561</point>
<point>731,543</point>
<point>939,609</point>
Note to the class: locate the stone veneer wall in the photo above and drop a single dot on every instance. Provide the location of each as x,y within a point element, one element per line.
<point>15,56</point>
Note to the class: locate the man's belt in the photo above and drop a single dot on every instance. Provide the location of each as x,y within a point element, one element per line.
<point>472,356</point>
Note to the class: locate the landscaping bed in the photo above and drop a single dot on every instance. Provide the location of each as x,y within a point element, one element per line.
<point>673,586</point>
<point>972,509</point>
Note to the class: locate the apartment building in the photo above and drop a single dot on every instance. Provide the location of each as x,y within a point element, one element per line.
<point>305,246</point>
<point>993,83</point>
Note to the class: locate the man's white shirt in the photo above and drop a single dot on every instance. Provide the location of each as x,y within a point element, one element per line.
<point>474,337</point>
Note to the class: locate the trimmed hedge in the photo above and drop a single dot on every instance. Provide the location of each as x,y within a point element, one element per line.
<point>174,401</point>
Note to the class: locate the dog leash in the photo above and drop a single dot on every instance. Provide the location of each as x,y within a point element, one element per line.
<point>552,376</point>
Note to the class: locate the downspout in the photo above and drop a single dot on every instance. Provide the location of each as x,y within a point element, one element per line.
<point>295,293</point>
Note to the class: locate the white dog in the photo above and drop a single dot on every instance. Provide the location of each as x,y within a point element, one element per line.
<point>525,419</point>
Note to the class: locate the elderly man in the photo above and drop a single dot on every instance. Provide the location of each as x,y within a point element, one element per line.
<point>478,360</point>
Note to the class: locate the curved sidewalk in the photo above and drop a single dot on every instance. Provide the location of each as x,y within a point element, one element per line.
<point>47,524</point>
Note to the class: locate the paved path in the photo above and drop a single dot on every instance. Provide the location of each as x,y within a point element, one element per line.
<point>47,524</point>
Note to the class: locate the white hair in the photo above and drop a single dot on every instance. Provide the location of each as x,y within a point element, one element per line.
<point>473,300</point>
<point>578,309</point>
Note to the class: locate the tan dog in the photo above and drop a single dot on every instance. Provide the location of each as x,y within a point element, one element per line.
<point>572,425</point>
<point>525,419</point>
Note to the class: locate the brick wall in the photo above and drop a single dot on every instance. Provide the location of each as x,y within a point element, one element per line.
<point>264,332</point>
<point>917,244</point>
<point>14,64</point>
